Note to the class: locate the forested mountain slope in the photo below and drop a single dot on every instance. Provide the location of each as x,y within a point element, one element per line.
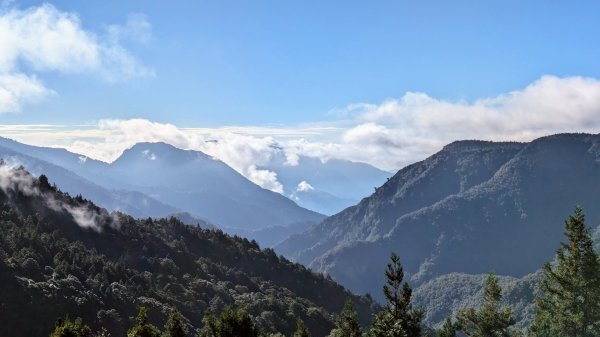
<point>62,255</point>
<point>471,208</point>
<point>131,202</point>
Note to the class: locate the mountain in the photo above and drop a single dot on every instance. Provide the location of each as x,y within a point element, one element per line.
<point>326,186</point>
<point>63,255</point>
<point>191,220</point>
<point>445,295</point>
<point>130,202</point>
<point>471,208</point>
<point>203,185</point>
<point>183,181</point>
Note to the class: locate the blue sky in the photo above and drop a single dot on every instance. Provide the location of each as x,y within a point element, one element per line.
<point>285,63</point>
<point>382,82</point>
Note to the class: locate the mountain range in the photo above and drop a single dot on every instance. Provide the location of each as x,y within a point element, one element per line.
<point>326,186</point>
<point>185,180</point>
<point>471,208</point>
<point>62,255</point>
<point>157,179</point>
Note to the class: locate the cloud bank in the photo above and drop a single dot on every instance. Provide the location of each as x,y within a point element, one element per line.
<point>44,39</point>
<point>389,135</point>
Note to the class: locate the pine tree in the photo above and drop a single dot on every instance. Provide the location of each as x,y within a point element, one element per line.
<point>142,328</point>
<point>489,320</point>
<point>570,304</point>
<point>175,327</point>
<point>67,328</point>
<point>398,318</point>
<point>448,329</point>
<point>347,323</point>
<point>231,323</point>
<point>301,329</point>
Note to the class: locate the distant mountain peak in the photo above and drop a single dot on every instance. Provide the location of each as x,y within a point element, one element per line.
<point>160,152</point>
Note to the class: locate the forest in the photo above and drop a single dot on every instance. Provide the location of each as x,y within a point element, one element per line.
<point>128,277</point>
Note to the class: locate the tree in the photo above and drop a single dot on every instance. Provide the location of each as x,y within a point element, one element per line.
<point>489,320</point>
<point>301,330</point>
<point>175,327</point>
<point>67,328</point>
<point>44,183</point>
<point>231,323</point>
<point>398,318</point>
<point>102,333</point>
<point>448,329</point>
<point>386,325</point>
<point>142,328</point>
<point>570,304</point>
<point>347,323</point>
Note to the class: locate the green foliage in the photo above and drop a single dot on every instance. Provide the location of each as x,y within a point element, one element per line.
<point>398,318</point>
<point>386,325</point>
<point>347,324</point>
<point>102,333</point>
<point>50,266</point>
<point>570,304</point>
<point>231,322</point>
<point>489,320</point>
<point>175,327</point>
<point>448,329</point>
<point>142,328</point>
<point>67,328</point>
<point>301,329</point>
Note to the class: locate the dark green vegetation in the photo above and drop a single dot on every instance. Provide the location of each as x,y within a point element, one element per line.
<point>398,318</point>
<point>490,320</point>
<point>62,255</point>
<point>569,302</point>
<point>448,294</point>
<point>470,208</point>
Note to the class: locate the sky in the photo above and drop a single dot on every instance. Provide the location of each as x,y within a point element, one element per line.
<point>385,82</point>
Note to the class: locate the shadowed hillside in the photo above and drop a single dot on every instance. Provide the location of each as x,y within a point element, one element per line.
<point>62,255</point>
<point>471,208</point>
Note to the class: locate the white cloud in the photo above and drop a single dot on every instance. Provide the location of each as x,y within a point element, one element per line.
<point>244,153</point>
<point>148,154</point>
<point>389,135</point>
<point>43,38</point>
<point>18,180</point>
<point>137,28</point>
<point>304,186</point>
<point>17,89</point>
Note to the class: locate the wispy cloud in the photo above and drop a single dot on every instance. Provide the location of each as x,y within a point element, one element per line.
<point>389,135</point>
<point>44,39</point>
<point>16,180</point>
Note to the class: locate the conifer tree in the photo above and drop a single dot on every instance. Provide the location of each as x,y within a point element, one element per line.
<point>142,328</point>
<point>448,329</point>
<point>347,323</point>
<point>175,327</point>
<point>301,329</point>
<point>399,318</point>
<point>231,323</point>
<point>489,320</point>
<point>67,328</point>
<point>570,304</point>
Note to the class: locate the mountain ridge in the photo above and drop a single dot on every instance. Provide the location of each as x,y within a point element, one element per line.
<point>206,187</point>
<point>64,255</point>
<point>451,213</point>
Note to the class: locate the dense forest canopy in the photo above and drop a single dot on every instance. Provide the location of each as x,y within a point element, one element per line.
<point>64,255</point>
